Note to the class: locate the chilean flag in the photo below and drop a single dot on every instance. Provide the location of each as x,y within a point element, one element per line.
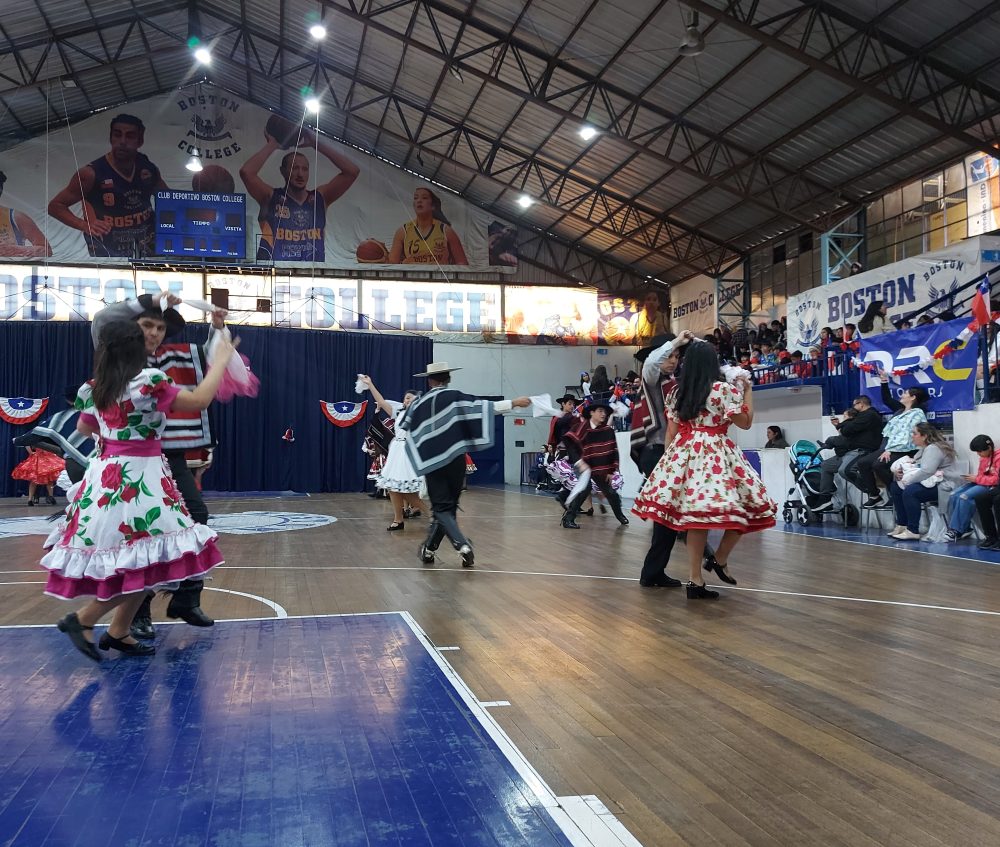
<point>981,303</point>
<point>343,413</point>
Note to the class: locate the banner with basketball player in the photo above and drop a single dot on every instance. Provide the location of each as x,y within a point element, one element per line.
<point>120,185</point>
<point>549,315</point>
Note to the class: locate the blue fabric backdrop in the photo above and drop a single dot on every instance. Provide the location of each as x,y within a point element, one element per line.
<point>297,368</point>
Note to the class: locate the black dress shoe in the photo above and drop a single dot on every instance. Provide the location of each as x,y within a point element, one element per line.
<point>588,512</point>
<point>622,520</point>
<point>569,523</point>
<point>395,527</point>
<point>720,570</point>
<point>142,628</point>
<point>700,592</point>
<point>74,629</point>
<point>109,641</point>
<point>426,556</point>
<point>988,544</point>
<point>661,581</point>
<point>193,615</point>
<point>468,556</point>
<point>50,500</point>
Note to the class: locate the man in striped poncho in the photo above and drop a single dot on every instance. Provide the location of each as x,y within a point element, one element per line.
<point>595,443</point>
<point>444,425</point>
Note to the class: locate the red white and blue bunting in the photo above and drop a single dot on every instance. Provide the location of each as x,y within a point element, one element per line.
<point>22,410</point>
<point>343,413</point>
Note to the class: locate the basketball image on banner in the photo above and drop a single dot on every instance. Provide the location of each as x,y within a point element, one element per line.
<point>344,413</point>
<point>307,198</point>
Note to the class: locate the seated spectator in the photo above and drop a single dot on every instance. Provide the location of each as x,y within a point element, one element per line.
<point>908,411</point>
<point>800,368</point>
<point>904,325</point>
<point>768,358</point>
<point>862,434</point>
<point>962,503</point>
<point>775,438</point>
<point>923,320</point>
<point>917,479</point>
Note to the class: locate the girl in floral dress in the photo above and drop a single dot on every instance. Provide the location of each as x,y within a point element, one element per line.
<point>126,529</point>
<point>702,482</point>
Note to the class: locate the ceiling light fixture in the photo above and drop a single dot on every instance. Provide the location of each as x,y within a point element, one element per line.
<point>524,201</point>
<point>194,165</point>
<point>587,132</point>
<point>203,55</point>
<point>312,104</point>
<point>694,41</point>
<point>318,31</point>
<point>456,72</point>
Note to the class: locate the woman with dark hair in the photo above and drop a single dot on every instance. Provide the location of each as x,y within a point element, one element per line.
<point>429,238</point>
<point>775,437</point>
<point>897,441</point>
<point>126,528</point>
<point>917,480</point>
<point>702,481</point>
<point>962,503</point>
<point>397,475</point>
<point>874,322</point>
<point>599,382</point>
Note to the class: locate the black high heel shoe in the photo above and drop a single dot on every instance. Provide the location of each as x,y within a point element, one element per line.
<point>137,649</point>
<point>394,527</point>
<point>711,564</point>
<point>74,629</point>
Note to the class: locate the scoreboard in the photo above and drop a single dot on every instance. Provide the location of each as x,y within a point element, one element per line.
<point>201,223</point>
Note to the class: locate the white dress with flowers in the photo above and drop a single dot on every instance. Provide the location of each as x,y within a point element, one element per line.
<point>126,528</point>
<point>702,481</point>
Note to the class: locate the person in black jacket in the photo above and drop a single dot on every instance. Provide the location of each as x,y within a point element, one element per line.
<point>859,435</point>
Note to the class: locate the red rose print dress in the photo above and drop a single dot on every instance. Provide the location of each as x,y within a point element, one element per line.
<point>126,528</point>
<point>703,481</point>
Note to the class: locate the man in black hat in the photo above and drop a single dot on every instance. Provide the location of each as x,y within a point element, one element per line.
<point>649,429</point>
<point>595,443</point>
<point>562,424</point>
<point>186,365</point>
<point>444,425</point>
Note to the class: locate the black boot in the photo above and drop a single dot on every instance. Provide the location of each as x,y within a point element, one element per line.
<point>185,603</point>
<point>142,623</point>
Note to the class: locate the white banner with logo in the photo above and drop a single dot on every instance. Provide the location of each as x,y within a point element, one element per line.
<point>693,306</point>
<point>982,193</point>
<point>88,192</point>
<point>430,307</point>
<point>903,286</point>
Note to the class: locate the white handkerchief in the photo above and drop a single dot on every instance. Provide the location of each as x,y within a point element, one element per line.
<point>541,406</point>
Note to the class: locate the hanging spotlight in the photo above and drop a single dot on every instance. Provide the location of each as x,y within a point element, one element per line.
<point>318,31</point>
<point>203,55</point>
<point>587,132</point>
<point>456,72</point>
<point>524,201</point>
<point>312,104</point>
<point>194,165</point>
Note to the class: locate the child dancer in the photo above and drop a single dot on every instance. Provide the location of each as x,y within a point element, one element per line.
<point>40,468</point>
<point>126,529</point>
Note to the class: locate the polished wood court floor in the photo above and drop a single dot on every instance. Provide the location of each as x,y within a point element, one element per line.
<point>790,712</point>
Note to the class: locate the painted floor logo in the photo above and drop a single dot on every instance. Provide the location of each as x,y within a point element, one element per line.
<point>248,523</point>
<point>237,523</point>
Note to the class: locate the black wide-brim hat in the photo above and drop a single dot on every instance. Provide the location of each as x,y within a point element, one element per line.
<point>598,400</point>
<point>567,398</point>
<point>655,344</point>
<point>171,317</point>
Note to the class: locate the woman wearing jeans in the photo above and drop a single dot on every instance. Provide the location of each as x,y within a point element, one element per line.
<point>933,463</point>
<point>908,411</point>
<point>962,503</point>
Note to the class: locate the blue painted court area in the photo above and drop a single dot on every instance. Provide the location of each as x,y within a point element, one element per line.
<point>313,731</point>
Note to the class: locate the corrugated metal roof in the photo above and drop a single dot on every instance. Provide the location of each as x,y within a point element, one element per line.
<point>698,142</point>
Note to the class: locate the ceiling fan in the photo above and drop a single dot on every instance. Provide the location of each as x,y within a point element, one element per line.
<point>694,41</point>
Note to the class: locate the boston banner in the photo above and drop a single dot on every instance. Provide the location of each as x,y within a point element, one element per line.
<point>949,381</point>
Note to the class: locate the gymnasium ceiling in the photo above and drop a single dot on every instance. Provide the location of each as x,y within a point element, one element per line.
<point>792,115</point>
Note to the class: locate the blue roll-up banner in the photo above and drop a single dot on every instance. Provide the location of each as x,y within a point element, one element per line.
<point>950,381</point>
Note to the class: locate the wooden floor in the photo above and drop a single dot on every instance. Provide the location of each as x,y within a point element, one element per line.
<point>770,717</point>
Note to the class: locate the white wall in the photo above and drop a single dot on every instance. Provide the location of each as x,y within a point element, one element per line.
<point>798,410</point>
<point>514,369</point>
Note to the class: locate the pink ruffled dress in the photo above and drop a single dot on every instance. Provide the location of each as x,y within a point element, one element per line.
<point>126,528</point>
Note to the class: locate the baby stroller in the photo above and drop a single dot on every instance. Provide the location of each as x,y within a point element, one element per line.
<point>804,462</point>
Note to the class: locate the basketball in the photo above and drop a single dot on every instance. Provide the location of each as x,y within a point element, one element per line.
<point>617,331</point>
<point>213,179</point>
<point>282,130</point>
<point>372,250</point>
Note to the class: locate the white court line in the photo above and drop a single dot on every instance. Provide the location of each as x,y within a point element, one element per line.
<point>489,704</point>
<point>575,824</point>
<point>443,649</point>
<point>279,611</point>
